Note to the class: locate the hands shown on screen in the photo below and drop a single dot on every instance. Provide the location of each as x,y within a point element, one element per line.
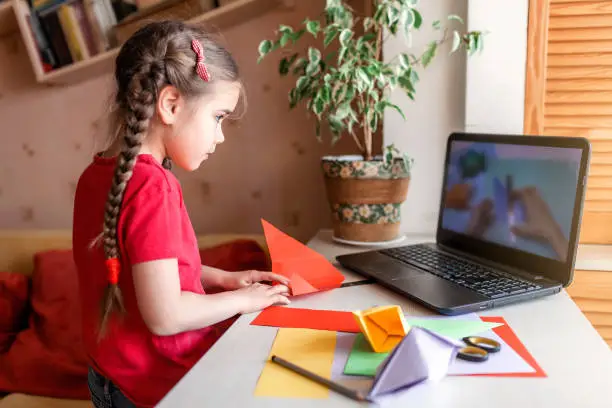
<point>481,218</point>
<point>539,224</point>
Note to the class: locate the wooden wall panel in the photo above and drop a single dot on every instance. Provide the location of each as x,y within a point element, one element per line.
<point>576,52</point>
<point>592,292</point>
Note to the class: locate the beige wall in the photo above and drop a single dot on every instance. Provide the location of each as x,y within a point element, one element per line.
<point>438,110</point>
<point>269,163</point>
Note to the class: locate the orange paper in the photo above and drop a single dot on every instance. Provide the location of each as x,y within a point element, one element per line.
<point>307,270</point>
<point>383,326</point>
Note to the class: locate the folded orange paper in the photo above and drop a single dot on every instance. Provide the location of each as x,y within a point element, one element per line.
<point>383,326</point>
<point>307,270</point>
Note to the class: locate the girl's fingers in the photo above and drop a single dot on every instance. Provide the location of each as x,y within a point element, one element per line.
<point>281,299</point>
<point>278,289</point>
<point>273,277</point>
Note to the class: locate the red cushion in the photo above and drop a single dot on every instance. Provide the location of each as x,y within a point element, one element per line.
<point>237,255</point>
<point>48,358</point>
<point>14,293</point>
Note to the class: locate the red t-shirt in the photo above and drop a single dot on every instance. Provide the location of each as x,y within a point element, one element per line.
<point>153,224</point>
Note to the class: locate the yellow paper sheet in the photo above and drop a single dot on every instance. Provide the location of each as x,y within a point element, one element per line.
<point>307,348</point>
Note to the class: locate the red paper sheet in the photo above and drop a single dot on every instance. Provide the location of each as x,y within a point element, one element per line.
<point>280,316</point>
<point>307,270</point>
<point>508,335</point>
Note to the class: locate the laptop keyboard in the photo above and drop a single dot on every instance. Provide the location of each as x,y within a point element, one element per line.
<point>479,278</point>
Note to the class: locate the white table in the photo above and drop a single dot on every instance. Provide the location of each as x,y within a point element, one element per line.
<point>577,361</point>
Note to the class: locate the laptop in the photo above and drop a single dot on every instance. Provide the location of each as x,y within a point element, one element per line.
<point>507,230</point>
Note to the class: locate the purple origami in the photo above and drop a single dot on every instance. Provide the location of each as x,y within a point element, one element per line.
<point>422,355</point>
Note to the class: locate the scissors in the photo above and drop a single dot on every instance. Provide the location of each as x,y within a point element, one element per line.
<point>478,348</point>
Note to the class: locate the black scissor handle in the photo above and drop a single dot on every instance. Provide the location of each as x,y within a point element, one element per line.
<point>473,354</point>
<point>489,345</point>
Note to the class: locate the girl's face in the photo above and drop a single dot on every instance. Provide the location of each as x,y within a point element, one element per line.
<point>198,128</point>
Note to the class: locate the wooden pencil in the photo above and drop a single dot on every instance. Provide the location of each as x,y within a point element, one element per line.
<point>348,392</point>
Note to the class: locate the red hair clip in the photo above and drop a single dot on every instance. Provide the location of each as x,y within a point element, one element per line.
<point>113,266</point>
<point>200,66</point>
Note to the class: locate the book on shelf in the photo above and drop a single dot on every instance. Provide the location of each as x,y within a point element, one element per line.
<point>69,31</point>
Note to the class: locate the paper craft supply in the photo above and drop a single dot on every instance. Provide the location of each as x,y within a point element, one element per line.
<point>307,270</point>
<point>362,360</point>
<point>353,394</point>
<point>313,350</point>
<point>513,360</point>
<point>507,360</point>
<point>383,326</point>
<point>421,356</point>
<point>506,333</point>
<point>282,316</point>
<point>454,328</point>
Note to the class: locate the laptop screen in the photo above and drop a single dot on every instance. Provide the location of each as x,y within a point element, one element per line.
<point>521,197</point>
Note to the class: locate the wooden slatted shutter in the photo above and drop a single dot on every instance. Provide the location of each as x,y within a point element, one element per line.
<point>569,92</point>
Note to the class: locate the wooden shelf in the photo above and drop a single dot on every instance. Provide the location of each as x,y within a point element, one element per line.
<point>221,17</point>
<point>8,22</point>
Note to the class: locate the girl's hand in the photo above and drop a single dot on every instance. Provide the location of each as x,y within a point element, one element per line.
<point>243,279</point>
<point>258,296</point>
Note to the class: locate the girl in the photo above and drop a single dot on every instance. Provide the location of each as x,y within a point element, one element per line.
<point>174,88</point>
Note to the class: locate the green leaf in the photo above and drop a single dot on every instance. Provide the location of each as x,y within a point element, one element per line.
<point>284,39</point>
<point>368,23</point>
<point>436,25</point>
<point>406,84</point>
<point>285,29</point>
<point>293,98</point>
<point>456,18</point>
<point>300,66</point>
<point>363,76</point>
<point>302,83</point>
<point>414,77</point>
<point>327,78</point>
<point>408,19</point>
<point>297,35</point>
<point>318,106</point>
<point>393,15</point>
<point>325,93</point>
<point>429,54</point>
<point>318,131</point>
<point>471,44</point>
<point>313,27</point>
<point>456,41</point>
<point>312,69</point>
<point>264,47</point>
<point>283,67</point>
<point>329,36</point>
<point>345,37</point>
<point>418,19</point>
<point>314,55</point>
<point>342,55</point>
<point>343,111</point>
<point>388,104</point>
<point>404,60</point>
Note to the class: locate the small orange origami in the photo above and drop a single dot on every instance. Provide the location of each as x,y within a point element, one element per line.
<point>307,270</point>
<point>383,326</point>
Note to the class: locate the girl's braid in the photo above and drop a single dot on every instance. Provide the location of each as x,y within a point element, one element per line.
<point>139,106</point>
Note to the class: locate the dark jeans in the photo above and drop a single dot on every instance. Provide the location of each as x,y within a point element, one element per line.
<point>105,394</point>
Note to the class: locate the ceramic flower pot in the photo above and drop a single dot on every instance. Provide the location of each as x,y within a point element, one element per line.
<point>365,196</point>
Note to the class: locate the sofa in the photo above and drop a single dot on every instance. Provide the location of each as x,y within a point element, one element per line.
<point>41,363</point>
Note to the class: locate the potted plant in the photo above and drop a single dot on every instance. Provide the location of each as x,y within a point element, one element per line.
<point>347,86</point>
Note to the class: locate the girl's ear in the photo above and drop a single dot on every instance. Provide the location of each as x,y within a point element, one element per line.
<point>169,104</point>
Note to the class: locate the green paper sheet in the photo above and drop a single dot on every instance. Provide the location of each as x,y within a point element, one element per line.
<point>363,361</point>
<point>454,328</point>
